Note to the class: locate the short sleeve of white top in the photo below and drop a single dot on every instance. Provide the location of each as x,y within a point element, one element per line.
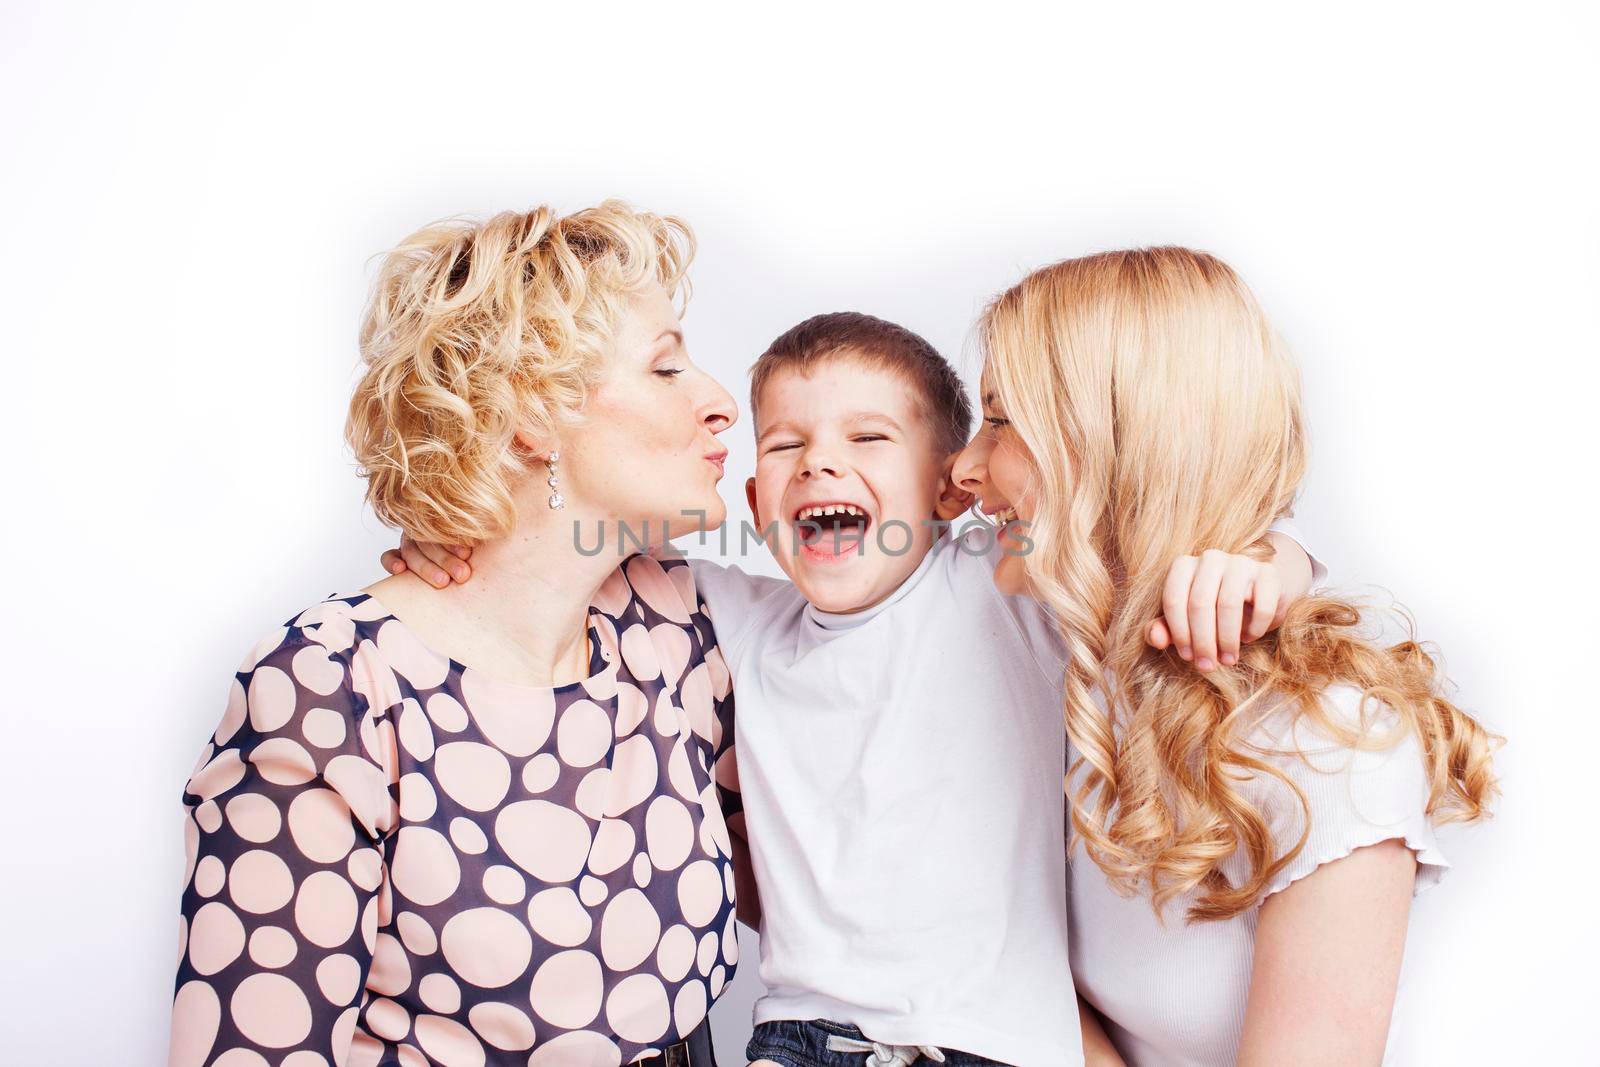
<point>1176,994</point>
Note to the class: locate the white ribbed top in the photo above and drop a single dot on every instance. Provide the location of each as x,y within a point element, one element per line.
<point>1175,994</point>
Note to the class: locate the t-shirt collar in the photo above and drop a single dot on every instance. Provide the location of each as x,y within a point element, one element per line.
<point>829,620</point>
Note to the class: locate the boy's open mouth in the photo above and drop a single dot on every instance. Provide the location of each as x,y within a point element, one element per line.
<point>831,530</point>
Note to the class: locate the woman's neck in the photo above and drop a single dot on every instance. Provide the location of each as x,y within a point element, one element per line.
<point>522,618</point>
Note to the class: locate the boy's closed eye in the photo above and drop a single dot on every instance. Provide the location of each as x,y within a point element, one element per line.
<point>859,439</point>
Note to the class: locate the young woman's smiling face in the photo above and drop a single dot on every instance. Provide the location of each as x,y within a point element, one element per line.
<point>848,473</point>
<point>996,468</point>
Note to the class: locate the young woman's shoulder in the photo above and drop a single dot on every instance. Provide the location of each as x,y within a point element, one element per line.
<point>1352,767</point>
<point>1344,718</point>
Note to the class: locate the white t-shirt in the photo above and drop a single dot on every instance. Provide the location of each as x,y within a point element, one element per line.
<point>1175,995</point>
<point>901,775</point>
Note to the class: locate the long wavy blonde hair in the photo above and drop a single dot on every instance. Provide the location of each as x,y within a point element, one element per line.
<point>475,330</point>
<point>1163,417</point>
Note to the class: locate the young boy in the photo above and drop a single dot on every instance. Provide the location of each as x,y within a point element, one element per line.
<point>900,749</point>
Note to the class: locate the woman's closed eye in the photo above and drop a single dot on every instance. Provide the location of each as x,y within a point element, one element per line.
<point>668,372</point>
<point>864,438</point>
<point>996,421</point>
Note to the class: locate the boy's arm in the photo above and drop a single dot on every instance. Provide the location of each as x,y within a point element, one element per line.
<point>728,597</point>
<point>1295,568</point>
<point>1286,537</point>
<point>746,893</point>
<point>732,594</point>
<point>1098,1051</point>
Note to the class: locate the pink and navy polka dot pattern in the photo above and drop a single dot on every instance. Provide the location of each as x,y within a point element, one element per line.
<point>395,859</point>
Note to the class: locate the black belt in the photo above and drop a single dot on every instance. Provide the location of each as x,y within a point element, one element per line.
<point>693,1051</point>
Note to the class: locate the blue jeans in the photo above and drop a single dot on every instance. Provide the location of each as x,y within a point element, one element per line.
<point>793,1043</point>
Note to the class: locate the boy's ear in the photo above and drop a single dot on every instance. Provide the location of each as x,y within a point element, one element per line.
<point>750,498</point>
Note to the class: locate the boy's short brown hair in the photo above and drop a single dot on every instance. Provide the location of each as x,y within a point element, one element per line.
<point>878,343</point>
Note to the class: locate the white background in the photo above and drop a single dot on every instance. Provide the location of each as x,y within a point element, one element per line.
<point>192,192</point>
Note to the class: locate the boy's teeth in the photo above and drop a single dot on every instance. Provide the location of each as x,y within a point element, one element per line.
<point>829,509</point>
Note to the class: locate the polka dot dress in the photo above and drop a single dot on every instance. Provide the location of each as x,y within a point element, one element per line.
<point>395,859</point>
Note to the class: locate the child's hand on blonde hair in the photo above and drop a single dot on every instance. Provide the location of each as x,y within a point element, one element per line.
<point>1214,602</point>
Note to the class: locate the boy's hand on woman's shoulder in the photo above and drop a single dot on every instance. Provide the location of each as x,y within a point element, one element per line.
<point>1213,603</point>
<point>438,565</point>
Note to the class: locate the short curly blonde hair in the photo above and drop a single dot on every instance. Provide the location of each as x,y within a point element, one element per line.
<point>475,330</point>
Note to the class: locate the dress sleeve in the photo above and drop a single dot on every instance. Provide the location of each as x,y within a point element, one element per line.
<point>733,599</point>
<point>1319,570</point>
<point>284,826</point>
<point>1356,796</point>
<point>724,764</point>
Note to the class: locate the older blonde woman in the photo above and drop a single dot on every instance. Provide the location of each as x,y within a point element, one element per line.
<point>1246,841</point>
<point>481,824</point>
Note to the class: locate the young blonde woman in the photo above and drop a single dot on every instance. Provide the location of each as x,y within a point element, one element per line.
<point>1246,842</point>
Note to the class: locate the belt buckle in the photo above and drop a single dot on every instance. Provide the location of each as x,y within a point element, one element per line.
<point>677,1055</point>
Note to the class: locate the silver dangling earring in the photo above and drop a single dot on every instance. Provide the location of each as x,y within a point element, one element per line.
<point>556,501</point>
